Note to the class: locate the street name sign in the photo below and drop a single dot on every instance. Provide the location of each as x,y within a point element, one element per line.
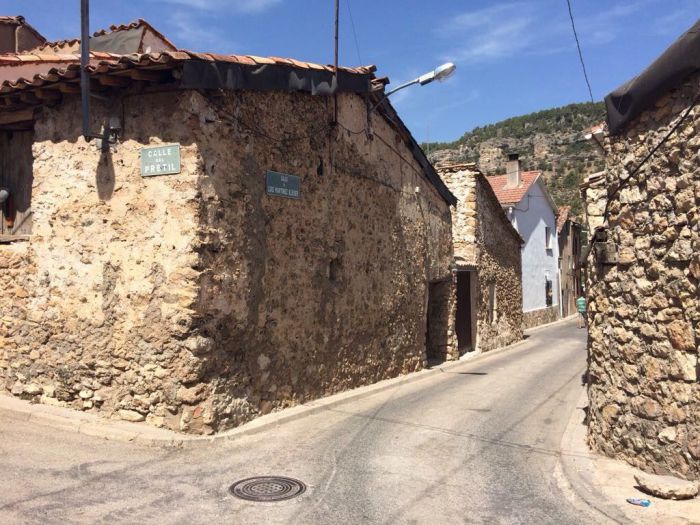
<point>160,160</point>
<point>283,185</point>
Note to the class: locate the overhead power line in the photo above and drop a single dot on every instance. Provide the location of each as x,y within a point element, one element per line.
<point>354,33</point>
<point>580,54</point>
<point>649,155</point>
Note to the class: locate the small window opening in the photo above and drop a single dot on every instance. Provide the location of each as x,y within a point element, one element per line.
<point>334,269</point>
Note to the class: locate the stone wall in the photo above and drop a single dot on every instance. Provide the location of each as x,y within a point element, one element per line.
<point>499,264</point>
<point>643,304</point>
<point>485,240</point>
<point>104,292</point>
<point>539,317</point>
<point>197,302</point>
<point>307,298</point>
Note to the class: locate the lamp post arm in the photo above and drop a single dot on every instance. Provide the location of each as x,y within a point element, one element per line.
<point>389,93</point>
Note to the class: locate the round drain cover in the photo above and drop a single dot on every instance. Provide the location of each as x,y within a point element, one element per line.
<point>267,488</point>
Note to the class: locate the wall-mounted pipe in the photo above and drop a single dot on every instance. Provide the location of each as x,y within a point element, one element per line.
<point>84,62</point>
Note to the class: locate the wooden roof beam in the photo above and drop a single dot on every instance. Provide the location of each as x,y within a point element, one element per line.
<point>113,81</point>
<point>13,117</point>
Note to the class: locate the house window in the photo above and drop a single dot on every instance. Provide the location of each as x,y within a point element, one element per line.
<point>492,304</point>
<point>548,288</point>
<point>548,238</point>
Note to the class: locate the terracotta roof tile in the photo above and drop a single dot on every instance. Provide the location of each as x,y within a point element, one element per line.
<point>512,195</point>
<point>562,216</point>
<point>68,65</point>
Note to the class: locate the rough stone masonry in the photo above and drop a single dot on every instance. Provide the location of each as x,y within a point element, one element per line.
<point>643,296</point>
<point>197,302</point>
<point>486,242</point>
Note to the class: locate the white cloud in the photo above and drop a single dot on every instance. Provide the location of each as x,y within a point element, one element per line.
<point>676,22</point>
<point>190,34</point>
<point>482,17</point>
<point>531,28</point>
<point>492,33</point>
<point>240,6</point>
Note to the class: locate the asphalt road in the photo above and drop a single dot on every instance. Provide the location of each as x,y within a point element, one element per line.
<point>478,443</point>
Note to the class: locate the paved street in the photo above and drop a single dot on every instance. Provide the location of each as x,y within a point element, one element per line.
<point>476,444</point>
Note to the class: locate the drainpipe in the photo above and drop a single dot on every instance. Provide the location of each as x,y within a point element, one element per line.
<point>561,299</point>
<point>84,61</point>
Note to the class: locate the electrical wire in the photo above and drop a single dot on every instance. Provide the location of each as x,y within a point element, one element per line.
<point>354,33</point>
<point>229,118</point>
<point>646,159</point>
<point>580,54</point>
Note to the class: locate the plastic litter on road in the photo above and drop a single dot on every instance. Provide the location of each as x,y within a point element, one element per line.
<point>639,502</point>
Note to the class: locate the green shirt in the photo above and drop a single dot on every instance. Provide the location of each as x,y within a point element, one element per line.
<point>581,304</point>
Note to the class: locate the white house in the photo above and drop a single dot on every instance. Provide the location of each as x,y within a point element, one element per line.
<point>533,213</point>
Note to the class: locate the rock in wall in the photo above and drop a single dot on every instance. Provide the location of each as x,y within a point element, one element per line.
<point>499,265</point>
<point>643,304</point>
<point>485,240</point>
<point>196,301</point>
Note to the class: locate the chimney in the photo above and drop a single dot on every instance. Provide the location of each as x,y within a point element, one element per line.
<point>513,171</point>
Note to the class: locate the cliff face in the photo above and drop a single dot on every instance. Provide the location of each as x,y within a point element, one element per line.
<point>549,140</point>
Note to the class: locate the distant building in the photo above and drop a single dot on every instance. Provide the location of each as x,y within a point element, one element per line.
<point>569,236</point>
<point>644,269</point>
<point>228,250</point>
<point>531,210</point>
<point>486,289</point>
<point>16,35</point>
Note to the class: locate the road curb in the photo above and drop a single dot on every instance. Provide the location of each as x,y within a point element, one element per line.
<point>553,323</point>
<point>142,434</point>
<point>577,467</point>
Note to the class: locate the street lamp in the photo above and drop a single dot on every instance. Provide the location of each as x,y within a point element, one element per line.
<point>440,73</point>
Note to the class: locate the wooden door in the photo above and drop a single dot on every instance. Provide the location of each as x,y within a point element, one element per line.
<point>16,165</point>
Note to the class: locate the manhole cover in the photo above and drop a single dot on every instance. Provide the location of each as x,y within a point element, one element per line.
<point>267,488</point>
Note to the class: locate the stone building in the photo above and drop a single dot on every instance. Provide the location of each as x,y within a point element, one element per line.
<point>594,196</point>
<point>486,291</point>
<point>279,255</point>
<point>532,212</point>
<point>569,235</point>
<point>644,270</point>
<point>16,35</point>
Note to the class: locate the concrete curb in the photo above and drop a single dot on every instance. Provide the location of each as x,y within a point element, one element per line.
<point>577,468</point>
<point>553,323</point>
<point>143,434</point>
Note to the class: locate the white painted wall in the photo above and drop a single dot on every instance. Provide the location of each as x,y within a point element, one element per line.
<point>530,217</point>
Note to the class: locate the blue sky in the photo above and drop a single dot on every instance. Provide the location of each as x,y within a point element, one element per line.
<point>513,56</point>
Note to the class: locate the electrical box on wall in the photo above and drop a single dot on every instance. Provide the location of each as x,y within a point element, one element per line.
<point>604,250</point>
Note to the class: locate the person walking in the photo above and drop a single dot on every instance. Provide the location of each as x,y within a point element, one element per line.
<point>581,307</point>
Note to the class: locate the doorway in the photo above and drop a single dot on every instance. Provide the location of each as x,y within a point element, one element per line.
<point>465,318</point>
<point>16,165</point>
<point>437,329</point>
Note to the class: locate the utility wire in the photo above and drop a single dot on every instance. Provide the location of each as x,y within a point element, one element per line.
<point>354,33</point>
<point>639,166</point>
<point>580,54</point>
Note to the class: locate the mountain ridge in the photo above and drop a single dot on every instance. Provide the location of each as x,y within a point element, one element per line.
<point>549,140</point>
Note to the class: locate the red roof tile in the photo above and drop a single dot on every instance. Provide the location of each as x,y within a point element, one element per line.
<point>512,195</point>
<point>68,65</point>
<point>562,216</point>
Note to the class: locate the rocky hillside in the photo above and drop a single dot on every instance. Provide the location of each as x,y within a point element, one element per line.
<point>549,140</point>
